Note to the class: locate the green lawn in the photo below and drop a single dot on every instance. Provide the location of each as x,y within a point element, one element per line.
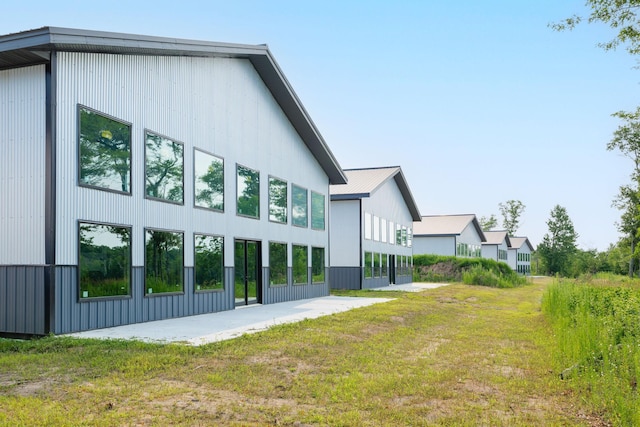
<point>454,356</point>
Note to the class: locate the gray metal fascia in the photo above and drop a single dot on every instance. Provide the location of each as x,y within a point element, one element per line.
<point>353,196</point>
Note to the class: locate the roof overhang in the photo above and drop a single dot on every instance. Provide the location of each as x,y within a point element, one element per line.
<point>34,47</point>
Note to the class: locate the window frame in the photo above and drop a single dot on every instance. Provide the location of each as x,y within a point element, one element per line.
<point>129,294</point>
<point>79,108</point>
<point>182,275</point>
<point>195,268</point>
<point>286,207</point>
<point>286,264</point>
<point>313,266</point>
<point>174,141</point>
<point>294,220</point>
<point>293,264</point>
<point>195,180</point>
<point>238,213</point>
<point>324,211</point>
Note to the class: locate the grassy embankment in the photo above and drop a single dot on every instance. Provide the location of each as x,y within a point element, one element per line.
<point>597,324</point>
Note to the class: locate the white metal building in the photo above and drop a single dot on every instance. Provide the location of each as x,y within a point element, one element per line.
<point>145,178</point>
<point>449,235</point>
<point>371,229</point>
<point>497,245</point>
<point>519,255</point>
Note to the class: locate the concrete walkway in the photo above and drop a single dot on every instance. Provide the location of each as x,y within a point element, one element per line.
<point>224,325</point>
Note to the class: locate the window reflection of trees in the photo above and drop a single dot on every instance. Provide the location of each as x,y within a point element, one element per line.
<point>209,264</point>
<point>248,203</point>
<point>209,181</point>
<point>164,168</point>
<point>300,265</point>
<point>317,265</point>
<point>105,152</point>
<point>163,262</point>
<point>299,206</point>
<point>104,260</point>
<point>277,263</point>
<point>277,200</point>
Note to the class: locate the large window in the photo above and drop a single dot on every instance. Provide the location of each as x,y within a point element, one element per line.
<point>368,265</point>
<point>209,181</point>
<point>299,212</point>
<point>209,262</point>
<point>105,152</point>
<point>164,261</point>
<point>317,211</point>
<point>277,200</point>
<point>317,265</point>
<point>300,265</point>
<point>248,187</point>
<point>104,260</point>
<point>277,263</point>
<point>164,168</point>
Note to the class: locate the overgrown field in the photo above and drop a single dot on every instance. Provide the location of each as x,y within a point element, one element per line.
<point>597,325</point>
<point>454,356</point>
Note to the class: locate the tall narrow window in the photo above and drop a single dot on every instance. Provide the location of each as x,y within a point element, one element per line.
<point>209,262</point>
<point>248,187</point>
<point>164,168</point>
<point>300,265</point>
<point>104,260</point>
<point>367,226</point>
<point>317,265</point>
<point>383,229</point>
<point>317,211</point>
<point>368,265</point>
<point>392,233</point>
<point>384,263</point>
<point>398,234</point>
<point>376,228</point>
<point>164,261</point>
<point>376,264</point>
<point>105,152</point>
<point>209,181</point>
<point>277,263</point>
<point>277,200</point>
<point>409,237</point>
<point>299,212</point>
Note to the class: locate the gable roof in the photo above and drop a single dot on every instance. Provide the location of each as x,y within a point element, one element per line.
<point>364,182</point>
<point>446,225</point>
<point>36,47</point>
<point>518,242</point>
<point>496,238</point>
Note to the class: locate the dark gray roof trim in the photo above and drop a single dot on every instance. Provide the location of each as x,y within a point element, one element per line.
<point>34,47</point>
<point>406,194</point>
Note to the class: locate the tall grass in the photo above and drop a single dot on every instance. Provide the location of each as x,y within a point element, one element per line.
<point>597,325</point>
<point>471,271</point>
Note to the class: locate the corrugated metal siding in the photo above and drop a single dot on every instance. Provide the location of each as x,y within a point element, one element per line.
<point>22,165</point>
<point>345,233</point>
<point>216,104</point>
<point>345,277</point>
<point>275,294</point>
<point>22,300</point>
<point>71,315</point>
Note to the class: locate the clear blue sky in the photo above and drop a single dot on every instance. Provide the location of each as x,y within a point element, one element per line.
<point>479,102</point>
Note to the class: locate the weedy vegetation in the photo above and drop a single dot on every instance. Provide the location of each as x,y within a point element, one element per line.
<point>596,320</point>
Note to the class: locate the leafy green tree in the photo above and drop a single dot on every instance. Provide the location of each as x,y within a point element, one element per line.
<point>488,223</point>
<point>558,246</point>
<point>621,15</point>
<point>511,211</point>
<point>626,140</point>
